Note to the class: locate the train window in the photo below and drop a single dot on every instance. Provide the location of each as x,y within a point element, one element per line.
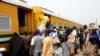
<point>60,27</point>
<point>54,23</point>
<point>5,23</point>
<point>65,27</point>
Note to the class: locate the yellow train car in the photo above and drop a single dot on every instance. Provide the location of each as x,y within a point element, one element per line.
<point>13,18</point>
<point>17,16</point>
<point>59,21</point>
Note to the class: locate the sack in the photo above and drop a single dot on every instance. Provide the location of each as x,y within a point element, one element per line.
<point>58,51</point>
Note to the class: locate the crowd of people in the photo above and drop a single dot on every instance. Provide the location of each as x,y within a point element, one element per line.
<point>52,42</point>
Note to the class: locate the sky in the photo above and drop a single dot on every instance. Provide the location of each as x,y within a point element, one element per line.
<point>81,11</point>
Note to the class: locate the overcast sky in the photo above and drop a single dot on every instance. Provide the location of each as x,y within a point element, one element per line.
<point>82,11</point>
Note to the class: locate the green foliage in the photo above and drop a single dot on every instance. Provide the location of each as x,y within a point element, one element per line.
<point>91,24</point>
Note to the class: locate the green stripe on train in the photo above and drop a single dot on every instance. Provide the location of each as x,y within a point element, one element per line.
<point>5,35</point>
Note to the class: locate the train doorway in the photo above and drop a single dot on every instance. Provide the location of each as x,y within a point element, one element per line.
<point>22,19</point>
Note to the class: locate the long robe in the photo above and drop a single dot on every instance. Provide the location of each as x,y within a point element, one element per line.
<point>47,47</point>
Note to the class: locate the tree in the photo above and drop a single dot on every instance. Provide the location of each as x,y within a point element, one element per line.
<point>91,24</point>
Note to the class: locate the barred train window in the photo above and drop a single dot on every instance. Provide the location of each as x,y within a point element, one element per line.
<point>5,23</point>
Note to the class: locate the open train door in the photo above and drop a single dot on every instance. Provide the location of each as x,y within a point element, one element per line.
<point>22,20</point>
<point>25,20</point>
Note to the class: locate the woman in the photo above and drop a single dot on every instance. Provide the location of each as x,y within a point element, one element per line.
<point>71,40</point>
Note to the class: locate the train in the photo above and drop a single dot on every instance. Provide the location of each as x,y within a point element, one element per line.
<point>18,16</point>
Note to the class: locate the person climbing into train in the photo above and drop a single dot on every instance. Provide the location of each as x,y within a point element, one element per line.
<point>36,44</point>
<point>47,49</point>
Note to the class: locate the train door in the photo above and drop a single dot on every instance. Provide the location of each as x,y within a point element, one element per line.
<point>48,25</point>
<point>22,19</point>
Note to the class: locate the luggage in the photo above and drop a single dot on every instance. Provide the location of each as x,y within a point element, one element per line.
<point>58,52</point>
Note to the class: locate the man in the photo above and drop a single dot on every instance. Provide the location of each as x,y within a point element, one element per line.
<point>36,44</point>
<point>86,39</point>
<point>94,37</point>
<point>47,45</point>
<point>74,32</point>
<point>80,35</point>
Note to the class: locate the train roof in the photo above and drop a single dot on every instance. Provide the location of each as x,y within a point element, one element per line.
<point>22,4</point>
<point>45,10</point>
<point>18,3</point>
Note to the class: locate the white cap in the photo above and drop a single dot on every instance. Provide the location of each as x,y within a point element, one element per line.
<point>94,27</point>
<point>2,49</point>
